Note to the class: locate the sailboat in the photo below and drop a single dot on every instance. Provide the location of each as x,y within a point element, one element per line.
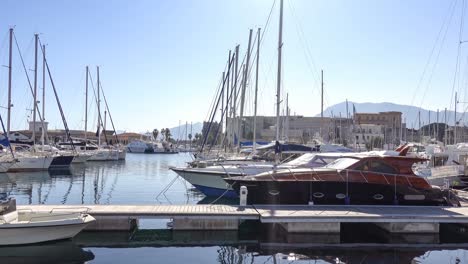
<point>102,153</point>
<point>26,160</point>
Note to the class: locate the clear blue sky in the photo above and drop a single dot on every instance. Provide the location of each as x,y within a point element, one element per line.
<point>161,61</point>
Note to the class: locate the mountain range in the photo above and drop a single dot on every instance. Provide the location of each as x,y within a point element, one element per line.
<point>410,113</point>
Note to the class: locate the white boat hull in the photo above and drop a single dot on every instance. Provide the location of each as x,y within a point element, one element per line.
<point>104,155</point>
<point>5,166</point>
<point>122,154</point>
<point>81,158</point>
<point>136,149</point>
<point>33,163</point>
<point>30,235</point>
<point>208,184</point>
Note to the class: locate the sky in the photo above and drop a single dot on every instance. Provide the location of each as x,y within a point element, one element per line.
<point>161,60</point>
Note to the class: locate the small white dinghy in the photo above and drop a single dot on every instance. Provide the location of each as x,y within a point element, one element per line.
<point>27,227</point>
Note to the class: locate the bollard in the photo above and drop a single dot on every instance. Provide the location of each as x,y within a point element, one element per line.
<point>243,196</point>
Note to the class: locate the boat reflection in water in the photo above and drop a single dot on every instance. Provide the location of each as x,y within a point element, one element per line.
<point>270,244</point>
<point>56,252</point>
<point>79,184</point>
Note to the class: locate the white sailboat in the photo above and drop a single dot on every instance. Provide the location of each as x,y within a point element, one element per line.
<point>26,161</point>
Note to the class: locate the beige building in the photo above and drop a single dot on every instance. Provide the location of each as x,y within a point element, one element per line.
<point>390,123</point>
<point>299,129</point>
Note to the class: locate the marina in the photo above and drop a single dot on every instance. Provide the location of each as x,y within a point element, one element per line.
<point>308,132</point>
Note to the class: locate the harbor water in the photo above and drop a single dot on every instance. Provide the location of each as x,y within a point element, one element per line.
<point>146,179</point>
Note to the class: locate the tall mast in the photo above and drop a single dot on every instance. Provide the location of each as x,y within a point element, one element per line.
<point>455,122</point>
<point>43,82</point>
<point>9,80</point>
<point>222,101</point>
<point>98,108</point>
<point>419,126</point>
<point>86,109</point>
<point>43,93</point>
<point>321,108</point>
<point>445,127</point>
<point>278,81</point>
<point>244,86</point>
<point>36,38</point>
<point>186,132</point>
<point>256,92</point>
<point>228,103</point>
<point>286,132</point>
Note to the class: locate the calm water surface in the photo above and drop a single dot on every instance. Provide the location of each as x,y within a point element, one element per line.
<point>146,179</point>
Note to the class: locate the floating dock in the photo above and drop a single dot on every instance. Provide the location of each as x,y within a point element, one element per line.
<point>294,219</point>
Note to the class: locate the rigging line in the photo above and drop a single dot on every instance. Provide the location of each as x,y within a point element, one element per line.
<point>466,86</point>
<point>67,131</point>
<point>304,43</point>
<point>27,77</point>
<point>446,20</point>
<point>434,66</point>
<point>108,111</point>
<point>457,64</point>
<point>239,73</point>
<point>101,124</point>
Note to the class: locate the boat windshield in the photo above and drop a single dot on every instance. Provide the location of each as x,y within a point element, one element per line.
<point>342,163</point>
<point>304,159</point>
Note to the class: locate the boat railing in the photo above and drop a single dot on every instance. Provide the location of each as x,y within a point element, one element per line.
<point>383,174</point>
<point>225,171</point>
<point>81,209</point>
<point>361,173</point>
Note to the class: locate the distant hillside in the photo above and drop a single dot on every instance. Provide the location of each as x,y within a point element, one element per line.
<point>410,113</point>
<point>196,128</point>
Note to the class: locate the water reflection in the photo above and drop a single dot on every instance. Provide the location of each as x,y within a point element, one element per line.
<point>134,181</point>
<point>230,247</point>
<point>56,252</point>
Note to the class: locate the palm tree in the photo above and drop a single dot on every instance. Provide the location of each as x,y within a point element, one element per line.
<point>155,133</point>
<point>167,134</point>
<point>163,133</point>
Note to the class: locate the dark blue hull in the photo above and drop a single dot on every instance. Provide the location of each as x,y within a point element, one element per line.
<point>215,192</point>
<point>61,161</point>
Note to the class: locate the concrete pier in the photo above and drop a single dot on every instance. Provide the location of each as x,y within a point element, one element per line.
<point>294,219</point>
<point>103,223</point>
<point>204,224</point>
<point>307,227</point>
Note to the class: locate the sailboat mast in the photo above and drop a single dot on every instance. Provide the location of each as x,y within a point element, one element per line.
<point>455,122</point>
<point>43,82</point>
<point>244,86</point>
<point>278,81</point>
<point>321,108</point>
<point>86,109</point>
<point>36,38</point>
<point>10,58</point>
<point>256,93</point>
<point>43,94</point>
<point>98,108</point>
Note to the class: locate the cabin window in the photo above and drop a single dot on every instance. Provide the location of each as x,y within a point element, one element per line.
<point>379,166</point>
